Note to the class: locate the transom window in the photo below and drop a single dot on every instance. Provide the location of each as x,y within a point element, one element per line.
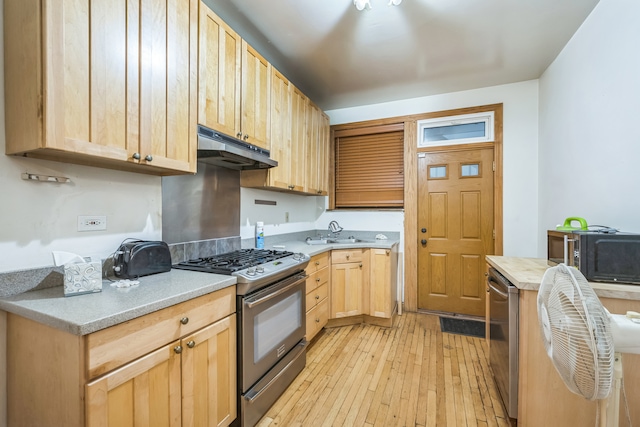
<point>463,129</point>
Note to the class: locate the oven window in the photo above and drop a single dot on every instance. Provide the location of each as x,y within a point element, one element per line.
<point>272,326</point>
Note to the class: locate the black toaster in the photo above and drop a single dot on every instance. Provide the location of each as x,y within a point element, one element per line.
<point>138,258</point>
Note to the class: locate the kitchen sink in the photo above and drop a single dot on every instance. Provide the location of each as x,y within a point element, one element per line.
<point>328,241</point>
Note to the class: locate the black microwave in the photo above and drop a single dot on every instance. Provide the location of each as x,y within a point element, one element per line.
<point>601,257</point>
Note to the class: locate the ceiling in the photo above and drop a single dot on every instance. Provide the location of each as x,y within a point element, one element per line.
<point>341,57</point>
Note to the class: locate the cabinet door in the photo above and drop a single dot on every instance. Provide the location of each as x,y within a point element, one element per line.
<point>143,393</point>
<point>380,283</point>
<point>280,176</point>
<point>219,74</point>
<point>299,138</point>
<point>168,60</point>
<point>346,289</point>
<point>323,150</point>
<point>256,95</point>
<point>209,375</point>
<point>312,184</point>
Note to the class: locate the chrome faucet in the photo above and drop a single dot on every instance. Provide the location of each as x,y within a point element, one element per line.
<point>334,227</point>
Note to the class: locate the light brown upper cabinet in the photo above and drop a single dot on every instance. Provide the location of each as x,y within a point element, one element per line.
<point>299,143</point>
<point>317,154</point>
<point>234,83</point>
<point>103,83</point>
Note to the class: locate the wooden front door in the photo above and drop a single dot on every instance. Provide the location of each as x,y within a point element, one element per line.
<point>455,229</point>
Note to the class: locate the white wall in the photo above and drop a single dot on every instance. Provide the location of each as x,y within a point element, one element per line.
<point>37,218</point>
<point>520,155</point>
<point>589,110</point>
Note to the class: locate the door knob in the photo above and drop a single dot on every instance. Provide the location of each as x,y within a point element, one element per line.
<point>423,241</point>
<point>424,230</point>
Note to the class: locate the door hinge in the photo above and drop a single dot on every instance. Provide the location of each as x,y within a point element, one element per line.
<point>494,165</point>
<point>494,234</point>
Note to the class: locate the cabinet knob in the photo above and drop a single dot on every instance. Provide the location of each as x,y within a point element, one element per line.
<point>239,134</point>
<point>246,137</point>
<point>317,296</point>
<point>387,251</point>
<point>319,191</point>
<point>318,280</point>
<point>360,265</point>
<point>148,158</point>
<point>136,156</point>
<point>317,320</point>
<point>177,349</point>
<point>191,344</point>
<point>317,262</point>
<point>184,320</point>
<point>348,256</point>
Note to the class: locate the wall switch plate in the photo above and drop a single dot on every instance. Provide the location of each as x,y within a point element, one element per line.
<point>92,222</point>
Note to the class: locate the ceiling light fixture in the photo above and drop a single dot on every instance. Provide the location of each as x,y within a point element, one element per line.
<point>362,4</point>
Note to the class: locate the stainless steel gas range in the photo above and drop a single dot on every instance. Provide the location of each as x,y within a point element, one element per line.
<point>271,327</point>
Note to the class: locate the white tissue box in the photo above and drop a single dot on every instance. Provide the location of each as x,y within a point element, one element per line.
<point>82,278</point>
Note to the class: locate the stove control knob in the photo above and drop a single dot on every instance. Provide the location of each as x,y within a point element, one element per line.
<point>251,271</point>
<point>260,269</point>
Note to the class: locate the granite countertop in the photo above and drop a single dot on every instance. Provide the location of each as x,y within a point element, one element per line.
<point>526,274</point>
<point>84,314</point>
<point>311,250</point>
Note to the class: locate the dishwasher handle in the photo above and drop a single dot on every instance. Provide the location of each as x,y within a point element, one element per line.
<point>504,295</point>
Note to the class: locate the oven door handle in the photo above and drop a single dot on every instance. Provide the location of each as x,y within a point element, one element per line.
<point>498,291</point>
<point>252,303</point>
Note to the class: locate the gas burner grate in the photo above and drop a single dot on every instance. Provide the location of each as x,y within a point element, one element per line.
<point>231,262</point>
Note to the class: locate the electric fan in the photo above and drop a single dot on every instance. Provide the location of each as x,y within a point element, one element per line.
<point>584,340</point>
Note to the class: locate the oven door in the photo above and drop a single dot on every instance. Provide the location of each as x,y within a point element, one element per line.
<point>272,323</point>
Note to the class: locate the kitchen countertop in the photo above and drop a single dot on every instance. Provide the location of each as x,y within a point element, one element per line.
<point>526,274</point>
<point>84,314</point>
<point>311,250</point>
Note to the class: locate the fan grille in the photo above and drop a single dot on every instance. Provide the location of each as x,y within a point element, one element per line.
<point>576,333</point>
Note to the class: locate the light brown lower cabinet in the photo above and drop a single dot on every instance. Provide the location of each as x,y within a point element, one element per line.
<point>364,286</point>
<point>172,367</point>
<point>317,290</point>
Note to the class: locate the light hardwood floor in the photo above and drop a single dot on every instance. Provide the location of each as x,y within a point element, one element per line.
<point>408,375</point>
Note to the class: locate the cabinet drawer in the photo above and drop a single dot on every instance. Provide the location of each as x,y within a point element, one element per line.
<point>113,347</point>
<point>318,262</point>
<point>317,318</point>
<point>347,255</point>
<point>317,279</point>
<point>317,295</point>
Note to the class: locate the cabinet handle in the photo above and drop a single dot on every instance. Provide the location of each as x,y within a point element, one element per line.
<point>136,156</point>
<point>177,349</point>
<point>239,134</point>
<point>184,320</point>
<point>191,344</point>
<point>246,136</point>
<point>148,158</point>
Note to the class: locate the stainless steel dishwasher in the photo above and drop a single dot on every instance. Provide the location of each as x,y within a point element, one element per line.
<point>503,336</point>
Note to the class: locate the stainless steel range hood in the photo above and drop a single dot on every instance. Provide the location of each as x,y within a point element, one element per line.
<point>223,150</point>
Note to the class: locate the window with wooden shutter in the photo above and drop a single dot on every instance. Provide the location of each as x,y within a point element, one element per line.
<point>369,167</point>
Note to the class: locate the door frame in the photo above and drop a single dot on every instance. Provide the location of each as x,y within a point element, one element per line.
<point>410,123</point>
<point>411,190</point>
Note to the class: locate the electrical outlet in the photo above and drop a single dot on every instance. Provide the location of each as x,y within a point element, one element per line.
<point>286,217</point>
<point>92,222</point>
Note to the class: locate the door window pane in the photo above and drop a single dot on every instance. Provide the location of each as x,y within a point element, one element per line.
<point>438,172</point>
<point>470,170</point>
